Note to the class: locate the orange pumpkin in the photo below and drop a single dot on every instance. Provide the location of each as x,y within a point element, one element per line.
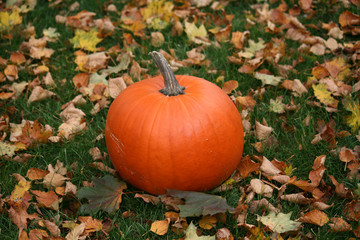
<point>183,134</point>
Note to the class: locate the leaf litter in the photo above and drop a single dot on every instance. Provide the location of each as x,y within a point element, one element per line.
<point>102,72</point>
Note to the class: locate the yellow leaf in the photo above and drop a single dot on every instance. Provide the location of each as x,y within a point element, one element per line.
<point>20,189</point>
<point>323,94</point>
<point>86,40</point>
<point>158,14</point>
<point>193,32</point>
<point>207,222</point>
<point>9,20</point>
<point>160,227</point>
<point>353,120</point>
<point>7,149</point>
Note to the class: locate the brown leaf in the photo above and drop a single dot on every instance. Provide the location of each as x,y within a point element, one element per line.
<point>36,174</point>
<point>347,18</point>
<point>208,222</point>
<point>263,203</point>
<point>116,86</point>
<point>339,225</point>
<point>47,199</point>
<point>315,217</point>
<point>262,131</point>
<point>148,198</point>
<point>340,188</point>
<point>261,188</point>
<point>36,234</point>
<point>33,134</point>
<point>11,72</point>
<point>101,166</point>
<point>160,227</point>
<point>298,198</point>
<point>53,179</point>
<point>224,234</point>
<point>76,232</point>
<point>246,102</point>
<point>247,166</point>
<point>230,86</point>
<point>39,94</point>
<point>305,4</point>
<point>268,168</point>
<point>52,227</point>
<point>346,155</point>
<point>19,216</point>
<point>238,39</point>
<point>91,225</point>
<point>17,58</point>
<point>302,184</point>
<point>81,80</point>
<point>157,39</point>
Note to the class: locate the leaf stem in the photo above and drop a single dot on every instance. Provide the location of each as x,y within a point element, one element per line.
<point>172,86</point>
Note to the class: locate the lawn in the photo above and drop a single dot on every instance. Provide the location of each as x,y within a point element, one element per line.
<point>290,67</point>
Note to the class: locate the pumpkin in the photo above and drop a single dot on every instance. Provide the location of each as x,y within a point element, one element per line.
<point>174,132</point>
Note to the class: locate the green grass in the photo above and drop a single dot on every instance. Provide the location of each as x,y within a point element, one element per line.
<point>62,66</point>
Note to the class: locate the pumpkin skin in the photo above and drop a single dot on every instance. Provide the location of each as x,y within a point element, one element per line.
<point>187,142</point>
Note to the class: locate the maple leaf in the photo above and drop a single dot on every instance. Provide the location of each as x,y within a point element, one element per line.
<point>316,217</point>
<point>157,14</point>
<point>255,46</point>
<point>33,134</point>
<point>86,40</point>
<point>208,222</point>
<point>280,222</point>
<point>353,120</point>
<point>321,93</point>
<point>7,149</point>
<point>190,234</point>
<point>277,105</point>
<point>198,203</point>
<point>105,195</point>
<point>196,34</point>
<point>267,79</point>
<point>9,20</point>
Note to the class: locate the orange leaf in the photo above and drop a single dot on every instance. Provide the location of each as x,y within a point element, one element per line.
<point>339,225</point>
<point>160,227</point>
<point>247,166</point>
<point>305,4</point>
<point>302,184</point>
<point>47,199</point>
<point>346,156</point>
<point>207,222</point>
<point>81,80</point>
<point>246,102</point>
<point>316,217</point>
<point>91,225</point>
<point>230,86</point>
<point>36,174</point>
<point>348,19</point>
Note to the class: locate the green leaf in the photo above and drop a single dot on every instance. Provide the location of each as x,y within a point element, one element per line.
<point>268,79</point>
<point>123,65</point>
<point>279,223</point>
<point>197,203</point>
<point>105,195</point>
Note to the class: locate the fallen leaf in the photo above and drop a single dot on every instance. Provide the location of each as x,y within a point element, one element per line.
<point>91,224</point>
<point>353,120</point>
<point>247,166</point>
<point>208,222</point>
<point>268,79</point>
<point>39,94</point>
<point>262,131</point>
<point>261,188</point>
<point>36,173</point>
<point>347,18</point>
<point>230,86</point>
<point>279,223</point>
<point>196,34</point>
<point>315,217</point>
<point>86,40</point>
<point>148,198</point>
<point>105,195</point>
<point>76,232</point>
<point>321,93</point>
<point>198,203</point>
<point>47,199</point>
<point>339,225</point>
<point>190,234</point>
<point>160,227</point>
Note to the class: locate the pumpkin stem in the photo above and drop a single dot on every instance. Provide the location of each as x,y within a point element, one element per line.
<point>172,86</point>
